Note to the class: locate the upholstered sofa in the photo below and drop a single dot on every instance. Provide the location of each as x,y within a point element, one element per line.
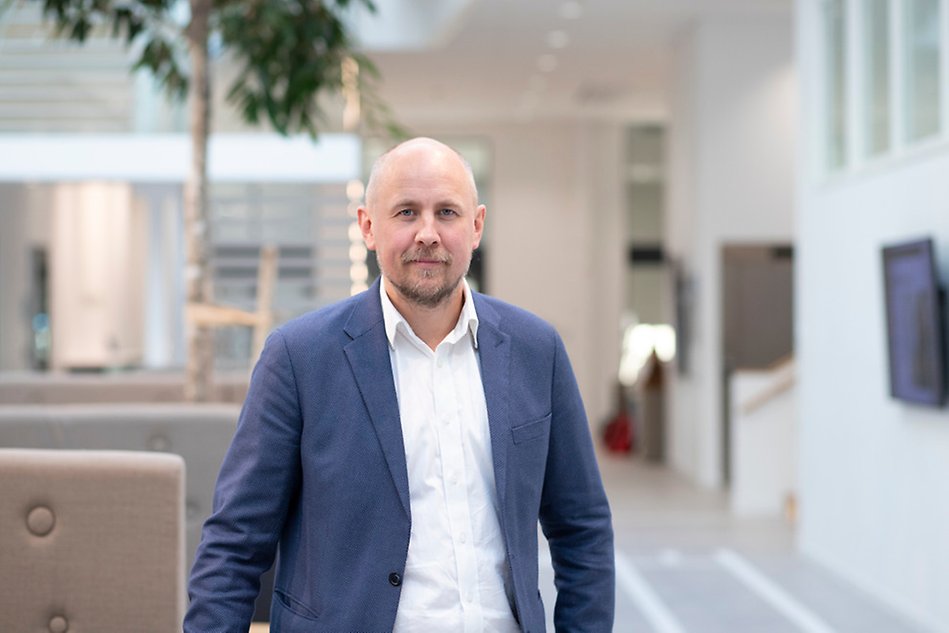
<point>132,386</point>
<point>200,434</point>
<point>91,541</point>
<point>140,411</point>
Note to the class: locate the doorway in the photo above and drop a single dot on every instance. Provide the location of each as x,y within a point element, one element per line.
<point>757,318</point>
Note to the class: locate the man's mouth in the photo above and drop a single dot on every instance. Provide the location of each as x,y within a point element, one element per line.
<point>425,260</point>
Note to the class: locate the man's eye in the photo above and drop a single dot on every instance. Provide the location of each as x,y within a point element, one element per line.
<point>449,212</point>
<point>405,212</point>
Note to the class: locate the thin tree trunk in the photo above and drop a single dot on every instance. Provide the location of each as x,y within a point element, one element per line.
<point>198,378</point>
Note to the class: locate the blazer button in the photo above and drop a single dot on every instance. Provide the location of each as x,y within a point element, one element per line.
<point>395,579</point>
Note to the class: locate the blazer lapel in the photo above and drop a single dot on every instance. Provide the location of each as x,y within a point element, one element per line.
<point>494,350</point>
<point>368,356</point>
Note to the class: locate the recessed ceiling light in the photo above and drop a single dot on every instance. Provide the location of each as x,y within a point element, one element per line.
<point>571,10</point>
<point>547,63</point>
<point>557,39</point>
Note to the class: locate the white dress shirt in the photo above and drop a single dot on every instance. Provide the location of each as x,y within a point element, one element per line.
<point>456,571</point>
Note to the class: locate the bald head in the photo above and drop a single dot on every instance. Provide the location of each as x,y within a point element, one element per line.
<point>422,218</point>
<point>419,149</point>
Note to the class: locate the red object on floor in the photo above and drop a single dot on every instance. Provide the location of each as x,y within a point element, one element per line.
<point>618,434</point>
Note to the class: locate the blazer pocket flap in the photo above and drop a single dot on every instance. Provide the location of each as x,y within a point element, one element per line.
<point>295,606</point>
<point>531,430</point>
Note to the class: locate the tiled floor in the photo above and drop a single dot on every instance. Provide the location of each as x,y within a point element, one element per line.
<point>686,565</point>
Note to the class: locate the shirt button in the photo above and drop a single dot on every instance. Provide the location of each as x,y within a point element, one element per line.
<point>395,579</point>
<point>463,538</point>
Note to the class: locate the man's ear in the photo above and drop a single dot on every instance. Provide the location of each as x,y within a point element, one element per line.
<point>478,225</point>
<point>365,227</point>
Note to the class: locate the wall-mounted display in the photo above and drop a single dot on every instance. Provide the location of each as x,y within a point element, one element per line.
<point>915,324</point>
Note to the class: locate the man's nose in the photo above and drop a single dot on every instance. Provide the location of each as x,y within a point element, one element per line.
<point>427,230</point>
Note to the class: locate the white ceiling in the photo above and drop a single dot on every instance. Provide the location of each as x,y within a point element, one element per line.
<point>441,61</point>
<point>499,59</point>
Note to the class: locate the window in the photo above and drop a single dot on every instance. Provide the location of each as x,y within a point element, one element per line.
<point>876,73</point>
<point>882,84</point>
<point>921,50</point>
<point>835,87</point>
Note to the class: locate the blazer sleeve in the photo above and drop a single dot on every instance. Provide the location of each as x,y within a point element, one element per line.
<point>259,477</point>
<point>574,513</point>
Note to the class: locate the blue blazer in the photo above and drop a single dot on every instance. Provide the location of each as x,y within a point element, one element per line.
<point>317,470</point>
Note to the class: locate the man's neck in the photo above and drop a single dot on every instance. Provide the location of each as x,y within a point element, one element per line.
<point>431,324</point>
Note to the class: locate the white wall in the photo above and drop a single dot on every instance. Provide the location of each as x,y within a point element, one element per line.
<point>874,483</point>
<point>763,441</point>
<point>874,472</point>
<point>731,159</point>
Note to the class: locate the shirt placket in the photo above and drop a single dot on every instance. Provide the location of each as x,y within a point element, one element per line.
<point>453,466</point>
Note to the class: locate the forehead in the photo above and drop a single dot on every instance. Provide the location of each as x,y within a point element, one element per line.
<point>424,170</point>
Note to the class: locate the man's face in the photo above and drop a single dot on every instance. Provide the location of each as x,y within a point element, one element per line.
<point>423,222</point>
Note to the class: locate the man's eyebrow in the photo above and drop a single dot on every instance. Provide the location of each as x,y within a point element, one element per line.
<point>410,202</point>
<point>452,202</point>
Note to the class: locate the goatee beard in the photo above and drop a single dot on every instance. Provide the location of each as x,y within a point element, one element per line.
<point>425,297</point>
<point>420,294</point>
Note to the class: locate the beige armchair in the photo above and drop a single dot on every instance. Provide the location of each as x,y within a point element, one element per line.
<point>91,541</point>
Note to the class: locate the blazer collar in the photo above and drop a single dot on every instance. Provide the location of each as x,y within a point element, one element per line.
<point>366,313</point>
<point>494,353</point>
<point>368,356</point>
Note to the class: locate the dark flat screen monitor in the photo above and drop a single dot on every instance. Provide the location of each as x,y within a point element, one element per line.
<point>914,318</point>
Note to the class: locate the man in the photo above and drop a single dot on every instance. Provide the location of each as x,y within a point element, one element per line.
<point>399,447</point>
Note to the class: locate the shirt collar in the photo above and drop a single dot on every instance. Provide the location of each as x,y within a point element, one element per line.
<point>467,321</point>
